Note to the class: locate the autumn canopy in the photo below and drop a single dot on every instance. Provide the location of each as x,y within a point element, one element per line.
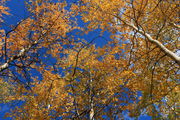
<point>55,72</point>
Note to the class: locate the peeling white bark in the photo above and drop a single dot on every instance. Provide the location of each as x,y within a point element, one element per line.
<point>175,25</point>
<point>4,66</point>
<point>159,44</point>
<point>20,54</point>
<point>171,54</point>
<point>91,113</point>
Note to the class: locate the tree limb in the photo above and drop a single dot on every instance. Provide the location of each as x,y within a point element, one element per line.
<point>156,42</point>
<point>20,54</point>
<point>169,53</point>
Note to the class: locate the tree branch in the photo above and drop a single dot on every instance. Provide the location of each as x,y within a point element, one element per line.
<point>169,53</point>
<point>20,54</point>
<point>156,42</point>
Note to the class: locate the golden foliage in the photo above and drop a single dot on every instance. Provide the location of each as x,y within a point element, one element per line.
<point>83,79</point>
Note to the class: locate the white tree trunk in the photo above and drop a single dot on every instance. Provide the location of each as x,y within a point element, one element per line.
<point>175,57</point>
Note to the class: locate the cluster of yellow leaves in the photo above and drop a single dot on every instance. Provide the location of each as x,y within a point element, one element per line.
<point>96,74</point>
<point>19,39</point>
<point>155,73</point>
<point>152,16</point>
<point>49,23</point>
<point>100,69</point>
<point>3,9</point>
<point>46,95</point>
<point>2,37</point>
<point>100,12</point>
<point>6,90</point>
